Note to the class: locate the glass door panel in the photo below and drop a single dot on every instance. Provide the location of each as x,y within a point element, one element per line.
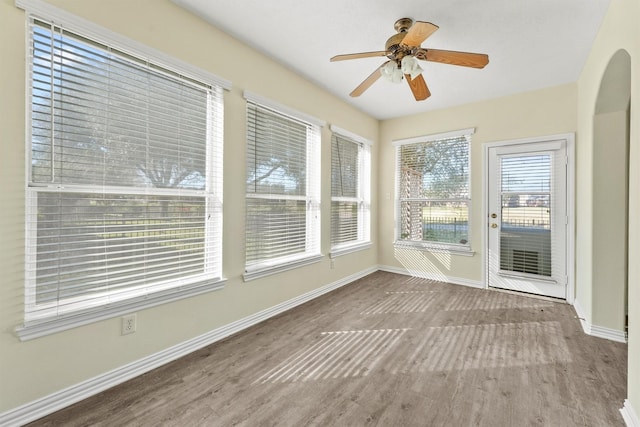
<point>525,229</point>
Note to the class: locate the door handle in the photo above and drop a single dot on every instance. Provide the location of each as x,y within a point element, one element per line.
<point>494,225</point>
<point>493,215</point>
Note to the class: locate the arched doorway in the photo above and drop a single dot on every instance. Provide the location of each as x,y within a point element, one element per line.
<point>611,199</point>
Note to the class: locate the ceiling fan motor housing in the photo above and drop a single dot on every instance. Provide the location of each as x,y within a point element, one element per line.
<point>394,44</point>
<point>394,47</point>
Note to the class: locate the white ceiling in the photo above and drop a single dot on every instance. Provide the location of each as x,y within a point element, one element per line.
<point>531,44</point>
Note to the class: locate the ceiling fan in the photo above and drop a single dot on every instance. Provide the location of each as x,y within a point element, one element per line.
<point>403,50</point>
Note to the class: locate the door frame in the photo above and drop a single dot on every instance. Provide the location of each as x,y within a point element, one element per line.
<point>570,204</point>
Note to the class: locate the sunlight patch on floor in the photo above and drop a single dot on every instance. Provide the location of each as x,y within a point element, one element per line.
<point>447,348</point>
<point>402,302</point>
<point>339,354</point>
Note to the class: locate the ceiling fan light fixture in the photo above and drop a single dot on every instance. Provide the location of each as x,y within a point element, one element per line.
<point>391,72</point>
<point>410,66</point>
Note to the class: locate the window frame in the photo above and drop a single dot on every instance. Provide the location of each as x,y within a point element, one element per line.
<point>363,197</point>
<point>312,253</point>
<point>39,324</point>
<point>425,245</point>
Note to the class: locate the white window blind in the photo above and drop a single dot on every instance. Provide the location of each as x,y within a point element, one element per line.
<point>525,232</point>
<point>125,184</point>
<point>350,201</point>
<point>433,190</point>
<point>282,189</point>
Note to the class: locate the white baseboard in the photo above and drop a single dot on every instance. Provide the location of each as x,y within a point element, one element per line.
<point>63,398</point>
<point>608,334</point>
<point>430,276</point>
<point>586,325</point>
<point>595,330</point>
<point>630,416</point>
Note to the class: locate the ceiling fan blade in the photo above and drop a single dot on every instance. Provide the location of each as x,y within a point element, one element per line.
<point>418,33</point>
<point>465,59</point>
<point>358,55</point>
<point>366,84</point>
<point>418,87</point>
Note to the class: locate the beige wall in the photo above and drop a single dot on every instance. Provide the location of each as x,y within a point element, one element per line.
<point>610,172</point>
<point>618,31</point>
<point>33,369</point>
<point>544,112</point>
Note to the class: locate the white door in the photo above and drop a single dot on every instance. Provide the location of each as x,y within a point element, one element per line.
<point>527,218</point>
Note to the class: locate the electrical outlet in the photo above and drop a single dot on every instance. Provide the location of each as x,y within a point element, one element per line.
<point>128,324</point>
<point>333,264</point>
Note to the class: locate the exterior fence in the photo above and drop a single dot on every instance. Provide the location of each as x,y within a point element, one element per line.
<point>445,229</point>
<point>456,230</point>
<point>527,223</point>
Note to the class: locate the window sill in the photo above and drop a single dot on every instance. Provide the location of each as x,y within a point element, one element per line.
<point>259,271</point>
<point>347,249</point>
<point>39,328</point>
<point>438,248</point>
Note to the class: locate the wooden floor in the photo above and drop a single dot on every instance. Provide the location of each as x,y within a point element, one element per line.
<point>387,350</point>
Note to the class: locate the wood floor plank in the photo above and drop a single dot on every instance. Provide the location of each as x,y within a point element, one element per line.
<point>386,350</point>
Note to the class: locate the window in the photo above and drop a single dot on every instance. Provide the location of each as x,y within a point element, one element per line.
<point>433,191</point>
<point>124,187</point>
<point>350,192</point>
<point>282,189</point>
